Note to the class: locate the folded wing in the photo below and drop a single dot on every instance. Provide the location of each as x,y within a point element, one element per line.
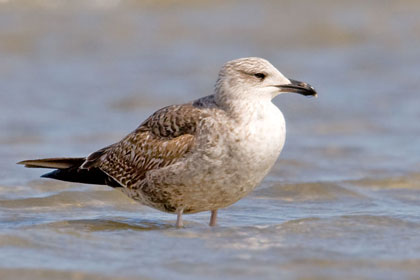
<point>163,139</point>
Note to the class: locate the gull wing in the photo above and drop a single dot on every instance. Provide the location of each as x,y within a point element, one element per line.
<point>163,139</point>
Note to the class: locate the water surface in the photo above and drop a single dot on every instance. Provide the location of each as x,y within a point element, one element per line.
<point>342,202</point>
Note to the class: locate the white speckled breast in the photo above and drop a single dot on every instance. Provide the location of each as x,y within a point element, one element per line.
<point>228,163</point>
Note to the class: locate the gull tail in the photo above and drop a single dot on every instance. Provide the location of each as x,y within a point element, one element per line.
<point>68,169</point>
<point>53,163</point>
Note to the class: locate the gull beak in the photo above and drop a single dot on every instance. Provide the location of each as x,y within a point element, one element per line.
<point>298,87</point>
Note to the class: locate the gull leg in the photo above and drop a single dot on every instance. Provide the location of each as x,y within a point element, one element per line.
<point>213,218</point>
<point>179,222</point>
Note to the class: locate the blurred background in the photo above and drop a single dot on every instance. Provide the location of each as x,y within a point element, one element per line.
<point>343,201</point>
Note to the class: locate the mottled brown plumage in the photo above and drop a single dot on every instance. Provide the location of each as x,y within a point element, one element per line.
<point>163,139</point>
<point>199,156</point>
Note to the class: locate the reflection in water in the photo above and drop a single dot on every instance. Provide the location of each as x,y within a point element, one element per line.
<point>342,201</point>
<point>107,225</point>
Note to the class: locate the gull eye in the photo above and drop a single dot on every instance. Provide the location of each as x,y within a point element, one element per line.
<point>260,76</point>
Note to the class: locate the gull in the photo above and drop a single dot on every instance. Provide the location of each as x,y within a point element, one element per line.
<point>200,156</point>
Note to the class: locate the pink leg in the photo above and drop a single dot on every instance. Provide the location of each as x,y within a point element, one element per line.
<point>213,218</point>
<point>179,222</point>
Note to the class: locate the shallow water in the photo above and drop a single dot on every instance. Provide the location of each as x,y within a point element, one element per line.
<point>342,202</point>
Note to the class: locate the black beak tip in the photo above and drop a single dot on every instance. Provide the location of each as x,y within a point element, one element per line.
<point>299,87</point>
<point>312,92</point>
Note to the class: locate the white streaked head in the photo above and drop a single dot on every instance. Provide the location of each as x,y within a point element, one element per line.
<point>254,77</point>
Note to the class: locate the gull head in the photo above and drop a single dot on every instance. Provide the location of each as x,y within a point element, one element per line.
<point>253,78</point>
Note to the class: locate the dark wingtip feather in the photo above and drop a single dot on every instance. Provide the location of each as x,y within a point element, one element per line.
<point>49,175</point>
<point>93,176</point>
<point>68,169</point>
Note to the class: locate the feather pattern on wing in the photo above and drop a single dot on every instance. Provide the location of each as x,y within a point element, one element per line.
<point>163,139</point>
